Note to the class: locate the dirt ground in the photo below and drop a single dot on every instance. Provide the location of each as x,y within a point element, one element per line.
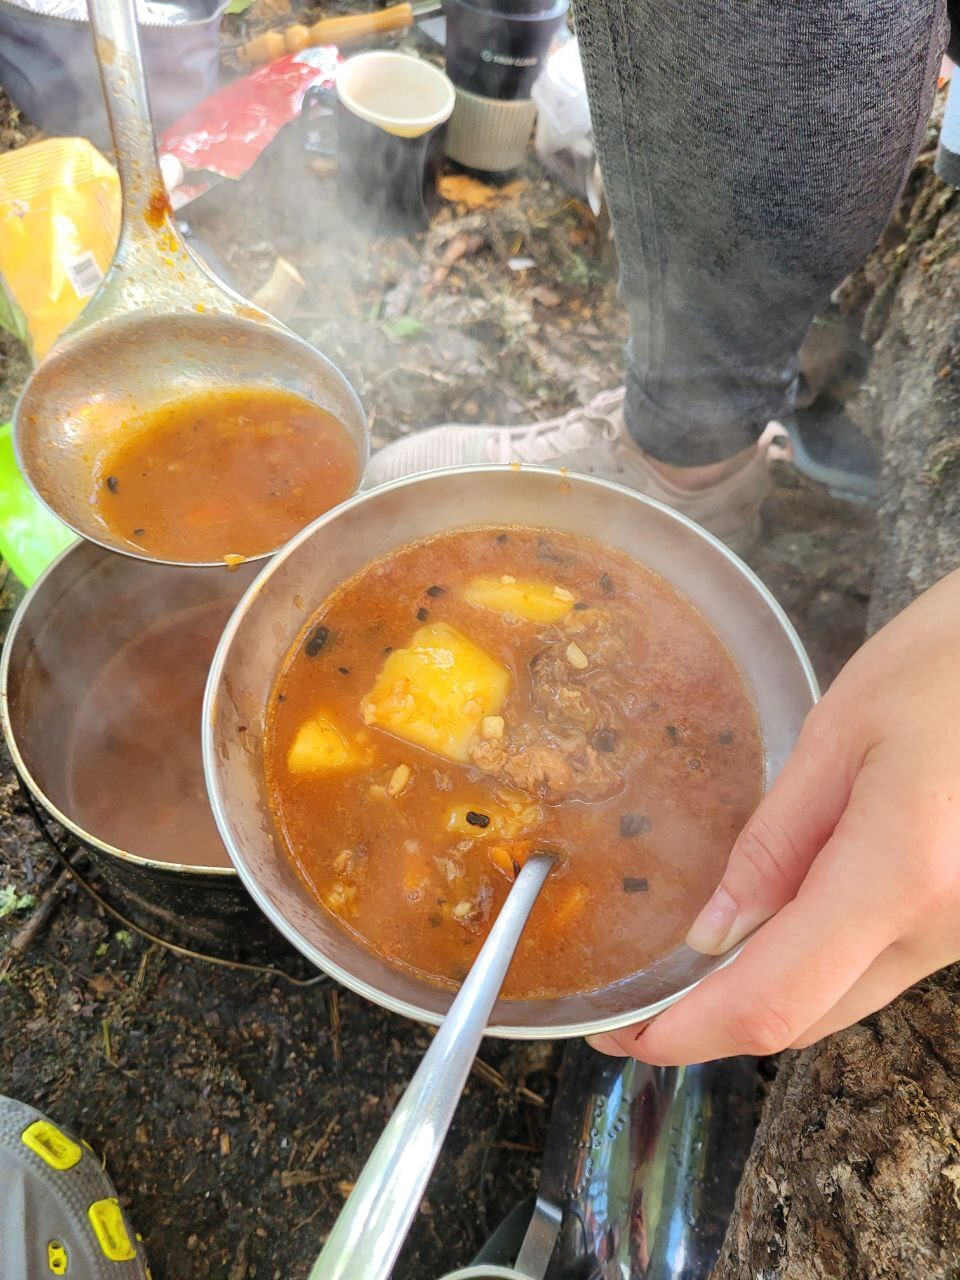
<point>233,1111</point>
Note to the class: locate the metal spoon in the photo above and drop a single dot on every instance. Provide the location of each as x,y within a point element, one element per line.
<point>160,326</point>
<point>373,1224</point>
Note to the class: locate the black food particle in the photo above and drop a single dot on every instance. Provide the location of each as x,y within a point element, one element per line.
<point>434,591</point>
<point>725,738</point>
<point>634,824</point>
<point>673,733</point>
<point>502,537</point>
<point>422,614</point>
<point>606,583</point>
<point>281,697</point>
<point>316,641</point>
<point>547,553</point>
<point>388,649</point>
<point>477,819</point>
<point>635,884</point>
<point>436,919</point>
<point>138,533</point>
<point>516,868</point>
<point>113,484</point>
<point>344,671</point>
<point>693,764</point>
<point>605,740</point>
<point>580,606</point>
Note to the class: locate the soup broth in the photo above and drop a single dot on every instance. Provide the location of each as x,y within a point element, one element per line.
<point>228,473</point>
<point>134,767</point>
<point>486,692</point>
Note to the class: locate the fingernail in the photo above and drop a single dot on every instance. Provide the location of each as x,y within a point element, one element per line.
<point>714,930</point>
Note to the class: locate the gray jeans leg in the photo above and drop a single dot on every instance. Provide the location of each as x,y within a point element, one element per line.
<point>752,151</point>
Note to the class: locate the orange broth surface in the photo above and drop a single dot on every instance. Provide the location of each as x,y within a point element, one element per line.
<point>612,728</point>
<point>226,473</point>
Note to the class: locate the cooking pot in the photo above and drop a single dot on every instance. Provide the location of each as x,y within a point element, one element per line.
<point>296,582</point>
<point>86,607</point>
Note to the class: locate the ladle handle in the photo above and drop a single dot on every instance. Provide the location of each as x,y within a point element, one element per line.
<point>116,42</point>
<point>367,1236</point>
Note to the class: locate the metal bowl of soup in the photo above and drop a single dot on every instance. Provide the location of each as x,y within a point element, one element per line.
<point>101,684</point>
<point>271,620</point>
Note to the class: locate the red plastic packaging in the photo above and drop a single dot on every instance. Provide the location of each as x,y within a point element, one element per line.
<point>226,132</point>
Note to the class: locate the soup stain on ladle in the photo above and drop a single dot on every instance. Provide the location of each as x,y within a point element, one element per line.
<point>160,327</point>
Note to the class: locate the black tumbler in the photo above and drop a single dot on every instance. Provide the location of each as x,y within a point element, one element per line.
<point>495,50</point>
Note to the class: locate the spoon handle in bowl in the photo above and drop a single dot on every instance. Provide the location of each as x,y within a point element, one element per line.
<point>373,1224</point>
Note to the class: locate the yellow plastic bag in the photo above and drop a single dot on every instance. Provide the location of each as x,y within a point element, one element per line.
<point>59,222</point>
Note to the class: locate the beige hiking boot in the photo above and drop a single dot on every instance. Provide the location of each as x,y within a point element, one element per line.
<point>593,440</point>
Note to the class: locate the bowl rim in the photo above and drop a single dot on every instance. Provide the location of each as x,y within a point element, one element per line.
<point>611,1022</point>
<point>23,770</point>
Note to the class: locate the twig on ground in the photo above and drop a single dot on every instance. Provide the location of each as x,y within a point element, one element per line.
<point>490,1074</point>
<point>238,1268</point>
<point>29,931</point>
<point>333,1012</point>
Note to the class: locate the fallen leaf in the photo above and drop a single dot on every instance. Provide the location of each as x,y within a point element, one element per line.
<point>11,900</point>
<point>403,326</point>
<point>459,188</point>
<point>461,246</point>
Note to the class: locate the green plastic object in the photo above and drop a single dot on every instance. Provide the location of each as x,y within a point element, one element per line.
<point>30,537</point>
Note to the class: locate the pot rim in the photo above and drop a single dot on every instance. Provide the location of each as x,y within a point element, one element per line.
<point>611,1022</point>
<point>23,770</point>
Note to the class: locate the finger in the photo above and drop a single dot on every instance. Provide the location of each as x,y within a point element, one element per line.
<point>798,965</point>
<point>892,973</point>
<point>786,832</point>
<point>618,1044</point>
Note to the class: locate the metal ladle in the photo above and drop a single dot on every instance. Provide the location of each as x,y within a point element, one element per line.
<point>373,1224</point>
<point>159,327</point>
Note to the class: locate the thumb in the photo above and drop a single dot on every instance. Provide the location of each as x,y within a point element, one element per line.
<point>774,850</point>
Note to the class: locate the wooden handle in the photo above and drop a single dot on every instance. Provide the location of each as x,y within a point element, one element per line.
<point>338,31</point>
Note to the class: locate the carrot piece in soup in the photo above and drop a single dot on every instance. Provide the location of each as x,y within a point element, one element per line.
<point>570,906</point>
